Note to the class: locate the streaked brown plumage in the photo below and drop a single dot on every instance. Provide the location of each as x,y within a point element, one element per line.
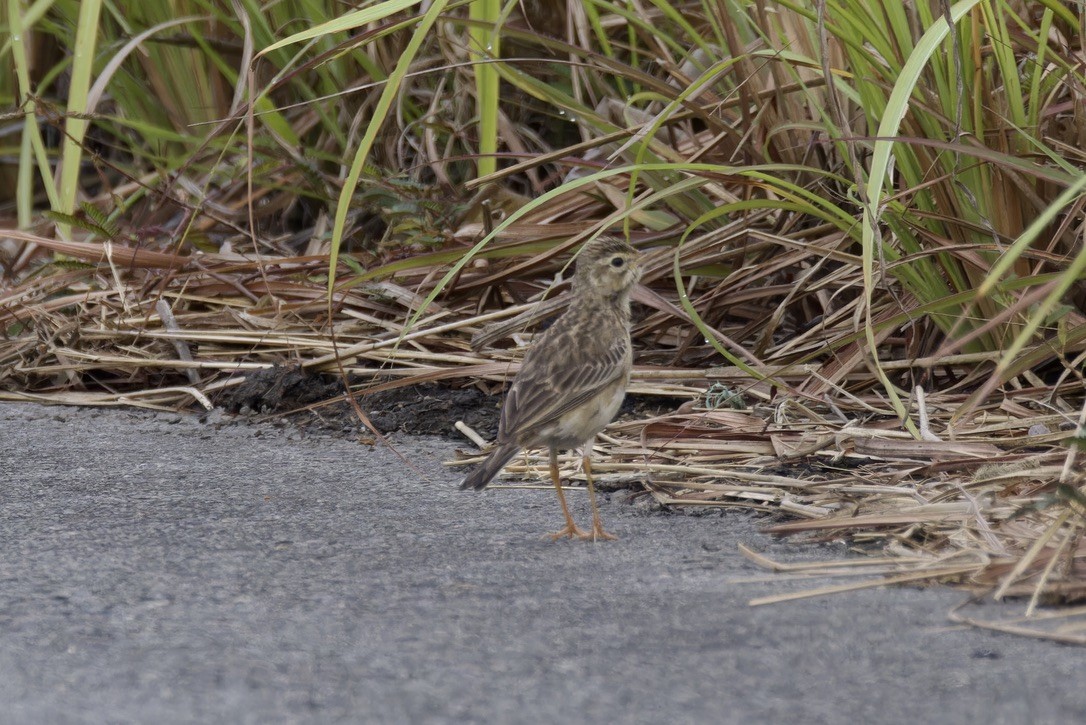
<point>574,377</point>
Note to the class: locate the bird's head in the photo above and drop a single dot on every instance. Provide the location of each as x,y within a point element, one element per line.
<point>607,267</point>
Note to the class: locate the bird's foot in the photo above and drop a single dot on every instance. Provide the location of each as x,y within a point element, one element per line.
<point>575,532</point>
<point>598,534</point>
<point>572,531</point>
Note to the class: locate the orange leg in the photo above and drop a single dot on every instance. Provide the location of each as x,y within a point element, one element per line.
<point>598,534</point>
<point>571,529</point>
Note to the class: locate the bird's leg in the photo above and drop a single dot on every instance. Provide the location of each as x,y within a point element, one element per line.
<point>598,534</point>
<point>571,529</point>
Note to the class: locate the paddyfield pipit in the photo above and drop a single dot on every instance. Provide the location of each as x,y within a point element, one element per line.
<point>574,377</point>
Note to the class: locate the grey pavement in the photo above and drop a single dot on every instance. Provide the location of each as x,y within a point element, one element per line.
<point>156,569</point>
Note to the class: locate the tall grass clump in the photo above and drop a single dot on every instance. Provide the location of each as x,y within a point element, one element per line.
<point>842,183</point>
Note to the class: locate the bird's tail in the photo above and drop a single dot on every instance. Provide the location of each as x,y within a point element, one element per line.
<point>481,476</point>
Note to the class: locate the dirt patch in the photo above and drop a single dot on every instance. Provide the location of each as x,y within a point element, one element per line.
<point>315,402</point>
<point>433,409</point>
<point>277,390</point>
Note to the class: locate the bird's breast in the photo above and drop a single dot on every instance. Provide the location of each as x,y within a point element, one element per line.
<point>578,425</point>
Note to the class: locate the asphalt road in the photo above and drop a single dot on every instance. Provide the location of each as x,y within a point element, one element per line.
<point>157,569</point>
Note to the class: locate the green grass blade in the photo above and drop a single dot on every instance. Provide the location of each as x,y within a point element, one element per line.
<point>484,47</point>
<point>896,107</point>
<point>75,126</point>
<point>347,21</point>
<point>384,104</point>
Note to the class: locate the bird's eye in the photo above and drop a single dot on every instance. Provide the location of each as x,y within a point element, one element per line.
<point>617,262</point>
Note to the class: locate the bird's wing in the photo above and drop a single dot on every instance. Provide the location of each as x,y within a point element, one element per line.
<point>559,378</point>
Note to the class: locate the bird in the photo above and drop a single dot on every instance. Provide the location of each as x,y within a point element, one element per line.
<point>573,378</point>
